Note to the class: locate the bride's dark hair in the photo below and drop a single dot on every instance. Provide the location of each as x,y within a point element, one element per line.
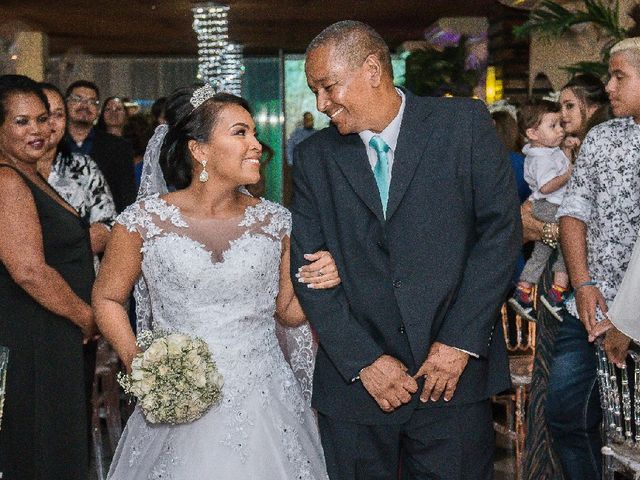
<point>188,123</point>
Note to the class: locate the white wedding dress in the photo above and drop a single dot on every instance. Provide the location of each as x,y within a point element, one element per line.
<point>218,280</point>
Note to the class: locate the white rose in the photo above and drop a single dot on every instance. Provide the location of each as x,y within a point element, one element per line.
<point>150,417</point>
<point>200,380</point>
<point>136,362</point>
<point>177,343</point>
<point>197,365</point>
<point>147,403</point>
<point>155,352</point>
<point>193,357</point>
<point>147,383</point>
<point>137,374</point>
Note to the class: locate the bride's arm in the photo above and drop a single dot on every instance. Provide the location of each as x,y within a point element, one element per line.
<point>288,309</point>
<point>119,271</point>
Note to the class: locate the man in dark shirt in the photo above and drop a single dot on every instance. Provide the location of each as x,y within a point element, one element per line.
<point>113,155</point>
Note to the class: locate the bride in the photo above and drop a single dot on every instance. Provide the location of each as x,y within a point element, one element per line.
<point>213,262</point>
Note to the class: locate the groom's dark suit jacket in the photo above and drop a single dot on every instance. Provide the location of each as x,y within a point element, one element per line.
<point>437,269</point>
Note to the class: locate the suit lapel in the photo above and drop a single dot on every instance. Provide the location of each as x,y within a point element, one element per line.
<point>412,141</point>
<point>353,162</point>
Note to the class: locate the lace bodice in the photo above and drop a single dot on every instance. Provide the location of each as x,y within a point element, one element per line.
<point>200,273</point>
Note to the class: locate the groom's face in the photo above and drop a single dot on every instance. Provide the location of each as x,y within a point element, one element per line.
<point>343,91</point>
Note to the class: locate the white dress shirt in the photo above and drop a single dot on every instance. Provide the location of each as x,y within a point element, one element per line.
<point>389,135</point>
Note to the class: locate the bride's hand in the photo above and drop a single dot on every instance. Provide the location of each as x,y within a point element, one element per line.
<point>321,273</point>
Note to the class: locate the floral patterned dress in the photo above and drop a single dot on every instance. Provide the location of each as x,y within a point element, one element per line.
<point>218,280</point>
<point>80,182</point>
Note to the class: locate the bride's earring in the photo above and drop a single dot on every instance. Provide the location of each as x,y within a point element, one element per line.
<point>204,175</point>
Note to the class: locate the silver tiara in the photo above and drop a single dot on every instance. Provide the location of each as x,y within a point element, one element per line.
<point>201,95</point>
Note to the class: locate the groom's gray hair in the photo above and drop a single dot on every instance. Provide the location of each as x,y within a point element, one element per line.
<point>354,42</point>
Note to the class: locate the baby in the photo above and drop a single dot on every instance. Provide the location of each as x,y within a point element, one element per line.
<point>547,171</point>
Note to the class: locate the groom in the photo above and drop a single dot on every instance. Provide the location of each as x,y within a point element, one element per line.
<point>416,201</point>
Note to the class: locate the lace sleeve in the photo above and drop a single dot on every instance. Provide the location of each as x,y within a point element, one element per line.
<point>280,222</point>
<point>299,348</point>
<point>137,218</point>
<point>298,344</point>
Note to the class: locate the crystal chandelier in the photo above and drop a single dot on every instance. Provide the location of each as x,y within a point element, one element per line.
<point>220,62</point>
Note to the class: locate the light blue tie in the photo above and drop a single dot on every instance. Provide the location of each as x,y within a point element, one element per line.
<point>381,169</point>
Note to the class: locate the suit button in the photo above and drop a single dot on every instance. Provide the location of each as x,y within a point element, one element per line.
<point>397,283</point>
<point>401,329</point>
<point>380,244</point>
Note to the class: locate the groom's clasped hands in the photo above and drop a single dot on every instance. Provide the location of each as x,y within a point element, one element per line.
<point>388,382</point>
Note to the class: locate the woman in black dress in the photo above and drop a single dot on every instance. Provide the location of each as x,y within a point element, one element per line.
<point>46,275</point>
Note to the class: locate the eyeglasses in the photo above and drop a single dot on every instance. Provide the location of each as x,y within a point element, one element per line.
<point>82,100</point>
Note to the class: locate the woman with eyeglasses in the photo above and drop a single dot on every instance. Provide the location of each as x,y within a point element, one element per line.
<point>112,154</point>
<point>46,275</point>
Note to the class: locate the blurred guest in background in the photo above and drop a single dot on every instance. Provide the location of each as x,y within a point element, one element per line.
<point>113,117</point>
<point>157,111</point>
<point>46,275</point>
<point>113,155</point>
<point>299,135</point>
<point>507,128</point>
<point>138,132</point>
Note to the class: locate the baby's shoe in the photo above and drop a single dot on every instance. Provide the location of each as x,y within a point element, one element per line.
<point>554,300</point>
<point>522,303</point>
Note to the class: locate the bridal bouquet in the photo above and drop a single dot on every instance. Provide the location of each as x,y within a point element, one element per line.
<point>174,378</point>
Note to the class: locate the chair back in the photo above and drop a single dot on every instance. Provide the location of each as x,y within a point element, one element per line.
<point>519,333</point>
<point>4,363</point>
<point>620,400</point>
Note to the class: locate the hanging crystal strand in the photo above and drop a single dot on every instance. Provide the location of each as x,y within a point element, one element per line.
<point>636,395</point>
<point>626,405</point>
<point>605,392</point>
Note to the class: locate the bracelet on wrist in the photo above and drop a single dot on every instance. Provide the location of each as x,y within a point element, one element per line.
<point>589,283</point>
<point>550,235</point>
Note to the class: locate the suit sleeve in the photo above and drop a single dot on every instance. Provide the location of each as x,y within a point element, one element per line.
<point>346,343</point>
<point>470,321</point>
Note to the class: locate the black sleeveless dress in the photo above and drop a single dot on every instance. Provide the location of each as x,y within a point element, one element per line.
<point>43,434</point>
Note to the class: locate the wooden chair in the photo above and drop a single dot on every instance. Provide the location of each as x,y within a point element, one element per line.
<point>520,339</point>
<point>620,398</point>
<point>105,401</point>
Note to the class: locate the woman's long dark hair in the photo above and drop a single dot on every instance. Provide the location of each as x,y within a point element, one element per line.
<point>590,91</point>
<point>101,124</point>
<point>188,123</point>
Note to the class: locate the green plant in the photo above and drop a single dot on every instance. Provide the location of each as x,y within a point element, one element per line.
<point>440,72</point>
<point>553,19</point>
